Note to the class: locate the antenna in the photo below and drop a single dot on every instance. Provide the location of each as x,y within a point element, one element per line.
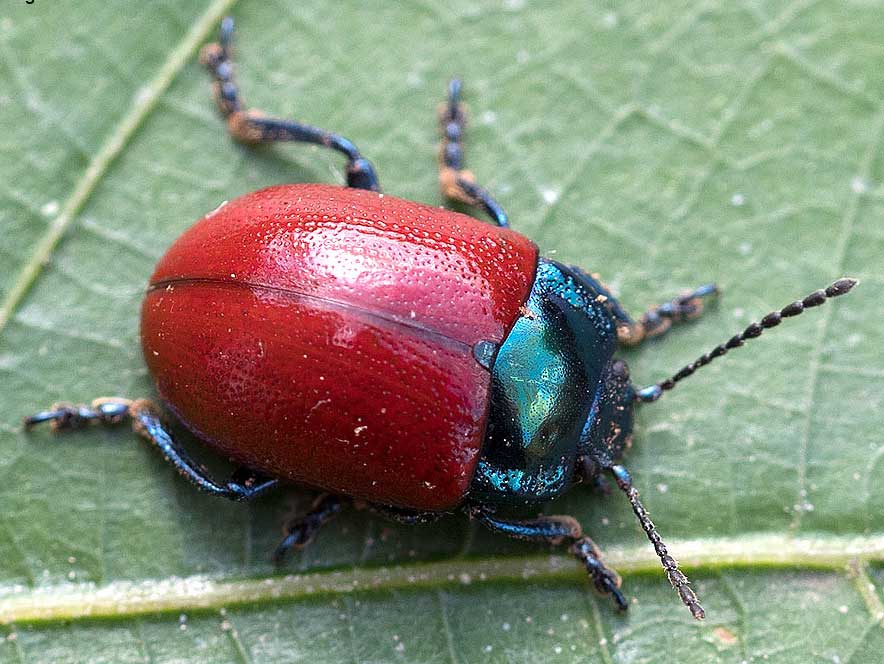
<point>676,577</point>
<point>774,318</point>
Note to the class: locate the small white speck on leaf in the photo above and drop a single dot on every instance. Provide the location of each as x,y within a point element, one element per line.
<point>854,340</point>
<point>859,185</point>
<point>49,209</point>
<point>550,196</point>
<point>414,79</point>
<point>738,199</point>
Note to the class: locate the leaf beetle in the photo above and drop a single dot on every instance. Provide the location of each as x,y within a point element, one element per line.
<point>413,358</point>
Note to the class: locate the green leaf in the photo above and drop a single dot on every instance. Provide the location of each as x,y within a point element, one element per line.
<point>660,144</point>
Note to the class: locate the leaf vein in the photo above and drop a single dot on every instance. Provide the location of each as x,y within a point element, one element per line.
<point>144,102</point>
<point>838,260</point>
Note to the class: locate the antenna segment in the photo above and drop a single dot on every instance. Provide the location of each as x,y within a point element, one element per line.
<point>774,318</point>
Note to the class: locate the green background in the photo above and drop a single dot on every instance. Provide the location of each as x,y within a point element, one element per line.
<point>660,144</point>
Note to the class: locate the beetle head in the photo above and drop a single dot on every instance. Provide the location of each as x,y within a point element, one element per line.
<point>608,430</point>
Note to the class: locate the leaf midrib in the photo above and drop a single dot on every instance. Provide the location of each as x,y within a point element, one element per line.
<point>124,599</point>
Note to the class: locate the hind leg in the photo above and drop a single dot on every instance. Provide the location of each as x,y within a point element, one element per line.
<point>455,181</point>
<point>244,485</point>
<point>251,126</point>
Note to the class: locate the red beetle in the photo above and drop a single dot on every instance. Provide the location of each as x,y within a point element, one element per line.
<point>325,335</point>
<point>410,357</point>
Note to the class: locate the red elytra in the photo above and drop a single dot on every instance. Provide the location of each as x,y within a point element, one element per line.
<point>325,335</point>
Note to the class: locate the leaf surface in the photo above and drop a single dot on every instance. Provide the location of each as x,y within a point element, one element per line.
<point>660,144</point>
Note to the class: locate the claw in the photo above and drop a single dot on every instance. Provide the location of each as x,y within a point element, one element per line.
<point>619,599</point>
<point>60,416</point>
<point>73,416</point>
<point>605,580</point>
<point>290,543</point>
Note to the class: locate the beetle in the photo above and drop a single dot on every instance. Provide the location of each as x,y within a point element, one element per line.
<point>415,359</point>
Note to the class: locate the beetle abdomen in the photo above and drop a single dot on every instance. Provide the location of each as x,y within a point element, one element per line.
<point>326,334</point>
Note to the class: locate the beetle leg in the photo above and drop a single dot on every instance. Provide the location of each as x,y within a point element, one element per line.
<point>659,319</point>
<point>146,421</point>
<point>655,321</point>
<point>455,181</point>
<point>560,530</point>
<point>105,410</point>
<point>302,531</point>
<point>250,126</point>
<point>408,517</point>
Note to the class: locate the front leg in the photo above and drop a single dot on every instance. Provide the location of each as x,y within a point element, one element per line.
<point>559,530</point>
<point>657,320</point>
<point>144,415</point>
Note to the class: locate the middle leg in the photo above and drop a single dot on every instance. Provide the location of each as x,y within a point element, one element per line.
<point>302,530</point>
